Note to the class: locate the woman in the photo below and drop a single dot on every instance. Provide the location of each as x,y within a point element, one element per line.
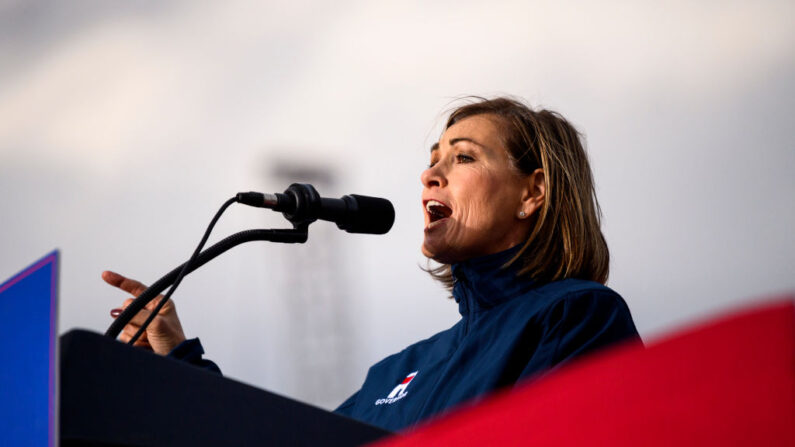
<point>511,216</point>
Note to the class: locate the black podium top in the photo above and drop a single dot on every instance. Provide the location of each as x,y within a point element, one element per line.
<point>115,395</point>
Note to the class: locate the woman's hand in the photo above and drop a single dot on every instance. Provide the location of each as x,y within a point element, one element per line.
<point>165,331</point>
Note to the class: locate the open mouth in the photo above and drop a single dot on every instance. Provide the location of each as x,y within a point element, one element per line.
<point>437,210</point>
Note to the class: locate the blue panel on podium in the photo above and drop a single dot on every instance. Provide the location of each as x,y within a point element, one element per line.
<point>27,355</point>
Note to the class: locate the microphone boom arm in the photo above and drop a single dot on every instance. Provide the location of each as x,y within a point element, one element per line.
<point>297,235</point>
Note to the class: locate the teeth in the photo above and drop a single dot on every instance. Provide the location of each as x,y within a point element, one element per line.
<point>437,210</point>
<point>433,203</point>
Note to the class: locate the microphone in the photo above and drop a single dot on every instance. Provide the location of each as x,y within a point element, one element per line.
<point>301,204</point>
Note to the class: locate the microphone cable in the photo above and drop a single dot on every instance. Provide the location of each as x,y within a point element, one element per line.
<point>185,268</point>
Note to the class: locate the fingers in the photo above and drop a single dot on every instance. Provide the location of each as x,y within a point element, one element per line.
<point>135,288</point>
<point>137,320</point>
<point>118,310</point>
<point>128,333</point>
<point>132,328</point>
<point>130,286</point>
<point>140,318</point>
<point>165,330</point>
<point>150,306</point>
<point>168,307</point>
<point>162,336</point>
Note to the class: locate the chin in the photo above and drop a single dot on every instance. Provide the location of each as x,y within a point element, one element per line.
<point>440,256</point>
<point>426,252</point>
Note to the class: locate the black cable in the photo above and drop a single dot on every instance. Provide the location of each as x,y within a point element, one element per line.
<point>287,236</point>
<point>185,268</point>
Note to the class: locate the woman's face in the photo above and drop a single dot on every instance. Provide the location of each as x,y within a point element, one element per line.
<point>472,195</point>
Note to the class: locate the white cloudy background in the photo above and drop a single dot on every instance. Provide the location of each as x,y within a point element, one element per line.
<point>124,125</point>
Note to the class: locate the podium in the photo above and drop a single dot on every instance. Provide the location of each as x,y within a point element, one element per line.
<point>116,395</point>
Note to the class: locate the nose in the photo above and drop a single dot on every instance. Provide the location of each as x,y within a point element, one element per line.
<point>433,176</point>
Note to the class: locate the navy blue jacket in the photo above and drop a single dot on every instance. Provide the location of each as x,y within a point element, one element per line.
<point>510,329</point>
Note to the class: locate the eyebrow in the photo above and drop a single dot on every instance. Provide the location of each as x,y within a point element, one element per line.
<point>453,142</point>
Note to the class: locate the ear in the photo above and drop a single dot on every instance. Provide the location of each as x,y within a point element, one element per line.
<point>533,195</point>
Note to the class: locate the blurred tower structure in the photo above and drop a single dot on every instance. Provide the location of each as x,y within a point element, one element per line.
<point>319,340</point>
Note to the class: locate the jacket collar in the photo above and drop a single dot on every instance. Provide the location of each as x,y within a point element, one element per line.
<point>482,283</point>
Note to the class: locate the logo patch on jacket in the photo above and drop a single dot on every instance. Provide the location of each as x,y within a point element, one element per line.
<point>399,392</point>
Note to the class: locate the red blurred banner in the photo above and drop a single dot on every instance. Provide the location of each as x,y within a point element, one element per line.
<point>728,382</point>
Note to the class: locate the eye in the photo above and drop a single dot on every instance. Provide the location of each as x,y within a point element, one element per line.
<point>463,158</point>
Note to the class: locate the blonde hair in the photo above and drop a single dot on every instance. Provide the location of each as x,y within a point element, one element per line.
<point>566,240</point>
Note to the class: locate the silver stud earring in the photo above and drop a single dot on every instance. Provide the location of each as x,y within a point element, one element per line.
<point>521,214</point>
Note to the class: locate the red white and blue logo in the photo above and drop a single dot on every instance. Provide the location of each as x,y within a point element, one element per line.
<point>399,392</point>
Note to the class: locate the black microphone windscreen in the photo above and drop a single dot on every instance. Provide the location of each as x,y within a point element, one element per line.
<point>373,215</point>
